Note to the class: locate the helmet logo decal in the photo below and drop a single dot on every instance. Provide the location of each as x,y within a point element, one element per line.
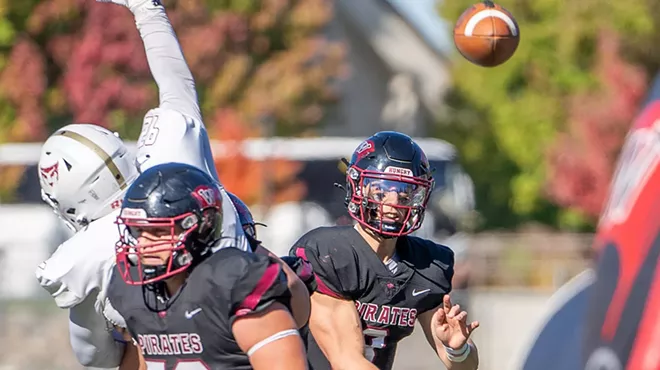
<point>398,171</point>
<point>207,196</point>
<point>50,174</point>
<point>364,149</point>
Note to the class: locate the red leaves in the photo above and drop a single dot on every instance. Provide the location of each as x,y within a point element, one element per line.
<point>86,61</point>
<point>106,68</point>
<point>582,160</point>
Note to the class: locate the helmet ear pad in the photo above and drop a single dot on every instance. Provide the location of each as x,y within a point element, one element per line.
<point>349,192</point>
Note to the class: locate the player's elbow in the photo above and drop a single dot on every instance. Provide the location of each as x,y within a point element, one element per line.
<point>270,339</point>
<point>92,357</point>
<point>94,346</point>
<point>350,361</point>
<point>300,304</point>
<point>289,352</point>
<point>103,353</point>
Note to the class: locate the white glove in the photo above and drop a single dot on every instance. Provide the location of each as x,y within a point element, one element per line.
<point>134,5</point>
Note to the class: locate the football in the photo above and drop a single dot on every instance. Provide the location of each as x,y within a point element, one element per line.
<point>486,34</point>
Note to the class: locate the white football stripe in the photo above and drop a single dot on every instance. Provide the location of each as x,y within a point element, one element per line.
<point>480,16</point>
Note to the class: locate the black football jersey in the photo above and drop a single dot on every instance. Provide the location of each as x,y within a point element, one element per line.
<point>195,331</point>
<point>387,302</point>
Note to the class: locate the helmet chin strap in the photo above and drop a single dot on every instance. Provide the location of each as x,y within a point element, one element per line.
<point>159,299</point>
<point>150,272</point>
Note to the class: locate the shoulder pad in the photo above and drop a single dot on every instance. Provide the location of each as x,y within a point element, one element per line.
<point>440,270</point>
<point>430,250</point>
<point>334,262</point>
<point>170,136</point>
<point>246,282</point>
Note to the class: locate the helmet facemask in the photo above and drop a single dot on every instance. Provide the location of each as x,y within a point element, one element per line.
<point>160,248</point>
<point>391,205</point>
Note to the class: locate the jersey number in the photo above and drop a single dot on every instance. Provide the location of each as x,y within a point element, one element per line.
<point>373,339</point>
<point>181,365</point>
<point>149,131</point>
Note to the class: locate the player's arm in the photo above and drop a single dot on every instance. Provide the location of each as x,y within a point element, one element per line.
<point>334,320</point>
<point>270,338</point>
<point>261,321</point>
<point>445,322</point>
<point>336,327</point>
<point>176,85</point>
<point>300,304</point>
<point>91,342</point>
<point>132,359</point>
<point>71,280</point>
<point>470,362</point>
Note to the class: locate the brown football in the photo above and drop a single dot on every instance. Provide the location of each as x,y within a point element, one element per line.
<point>486,34</point>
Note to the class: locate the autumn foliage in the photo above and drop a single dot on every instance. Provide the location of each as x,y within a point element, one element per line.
<point>267,181</point>
<point>253,60</point>
<point>581,161</point>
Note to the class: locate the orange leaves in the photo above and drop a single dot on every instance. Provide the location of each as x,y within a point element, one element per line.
<point>265,181</point>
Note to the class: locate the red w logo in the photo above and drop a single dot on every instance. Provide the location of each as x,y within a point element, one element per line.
<point>207,196</point>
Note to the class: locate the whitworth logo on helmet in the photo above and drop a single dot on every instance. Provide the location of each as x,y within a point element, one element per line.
<point>398,171</point>
<point>207,196</point>
<point>50,174</point>
<point>364,149</point>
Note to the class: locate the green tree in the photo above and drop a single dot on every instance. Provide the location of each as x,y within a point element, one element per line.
<point>505,119</point>
<point>582,158</point>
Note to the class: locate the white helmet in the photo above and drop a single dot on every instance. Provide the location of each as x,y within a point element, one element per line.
<point>84,171</point>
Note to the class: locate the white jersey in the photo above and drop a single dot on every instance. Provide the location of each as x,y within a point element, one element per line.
<point>76,276</point>
<point>81,265</point>
<point>78,273</point>
<point>172,136</point>
<point>175,131</point>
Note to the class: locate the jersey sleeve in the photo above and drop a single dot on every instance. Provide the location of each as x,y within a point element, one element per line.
<point>176,85</point>
<point>91,338</point>
<point>440,271</point>
<point>249,282</point>
<point>334,265</point>
<point>443,258</point>
<point>169,135</point>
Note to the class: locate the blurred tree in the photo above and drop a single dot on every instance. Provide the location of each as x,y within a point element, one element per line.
<point>82,61</point>
<point>505,119</point>
<point>581,161</point>
<point>264,181</point>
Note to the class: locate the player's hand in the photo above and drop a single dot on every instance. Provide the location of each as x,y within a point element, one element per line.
<point>118,2</point>
<point>133,4</point>
<point>450,326</point>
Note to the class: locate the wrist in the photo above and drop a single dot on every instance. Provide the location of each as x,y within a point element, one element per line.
<point>458,354</point>
<point>141,8</point>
